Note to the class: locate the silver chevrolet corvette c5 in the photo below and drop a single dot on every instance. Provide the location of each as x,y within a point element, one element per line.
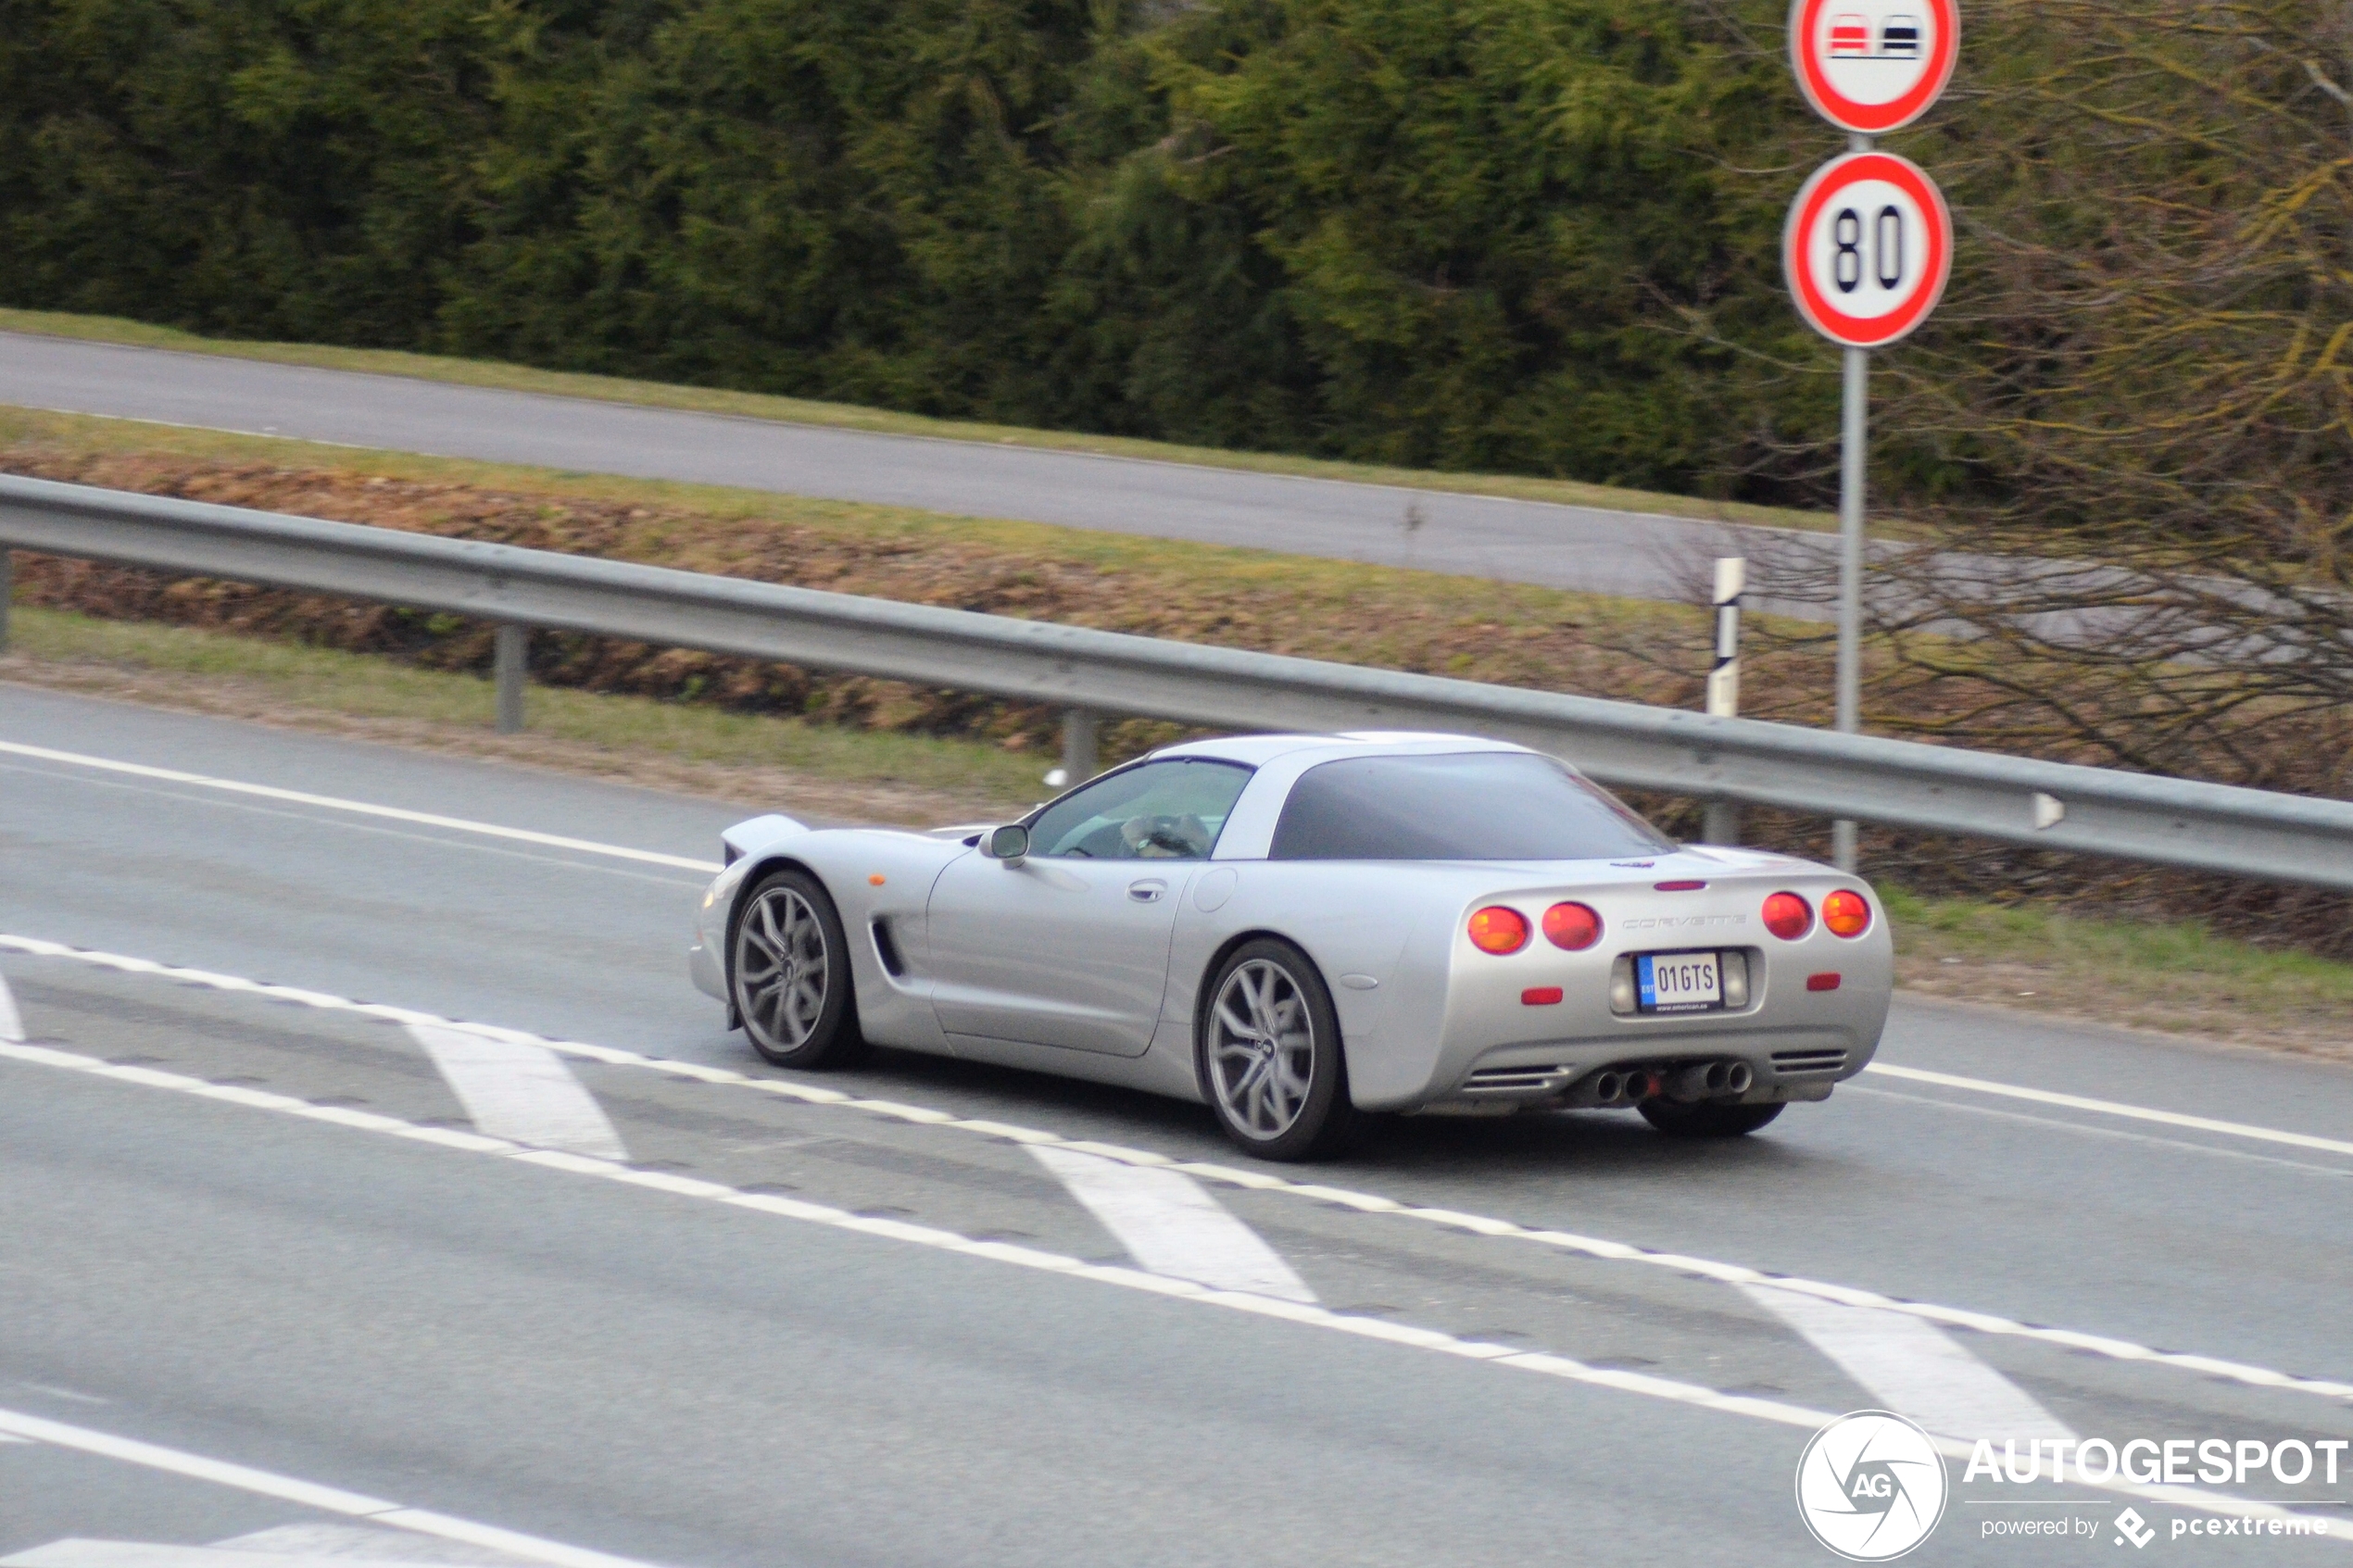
<point>1301,930</point>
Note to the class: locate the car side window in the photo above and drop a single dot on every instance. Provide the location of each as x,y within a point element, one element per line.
<point>1171,810</point>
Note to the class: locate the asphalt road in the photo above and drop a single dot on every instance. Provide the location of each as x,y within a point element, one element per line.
<point>1622,553</point>
<point>265,1229</point>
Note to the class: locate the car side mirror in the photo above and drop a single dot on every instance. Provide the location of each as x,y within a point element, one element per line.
<point>1009,844</point>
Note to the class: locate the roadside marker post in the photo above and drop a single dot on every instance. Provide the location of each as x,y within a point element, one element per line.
<point>1723,824</point>
<point>1867,246</point>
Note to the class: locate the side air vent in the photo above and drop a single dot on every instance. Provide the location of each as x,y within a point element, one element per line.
<point>888,950</point>
<point>1514,1080</point>
<point>1790,1064</point>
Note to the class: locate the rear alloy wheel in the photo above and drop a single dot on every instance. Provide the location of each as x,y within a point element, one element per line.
<point>1705,1121</point>
<point>790,974</point>
<point>1270,1056</point>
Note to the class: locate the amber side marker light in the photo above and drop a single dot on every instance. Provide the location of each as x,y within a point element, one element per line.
<point>1847,913</point>
<point>1788,916</point>
<point>1572,927</point>
<point>1498,930</point>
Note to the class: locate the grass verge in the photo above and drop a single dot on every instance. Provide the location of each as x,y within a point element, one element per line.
<point>844,415</point>
<point>2180,979</point>
<point>2175,978</point>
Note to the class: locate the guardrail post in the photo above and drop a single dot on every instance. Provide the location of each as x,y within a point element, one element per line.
<point>1723,824</point>
<point>7,591</point>
<point>510,658</point>
<point>1078,746</point>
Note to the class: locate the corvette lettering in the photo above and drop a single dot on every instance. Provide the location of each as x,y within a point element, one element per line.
<point>1664,922</point>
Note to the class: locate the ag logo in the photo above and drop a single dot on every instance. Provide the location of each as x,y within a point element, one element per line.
<point>1871,1486</point>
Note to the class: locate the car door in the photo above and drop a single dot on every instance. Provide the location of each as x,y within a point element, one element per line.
<point>1069,946</point>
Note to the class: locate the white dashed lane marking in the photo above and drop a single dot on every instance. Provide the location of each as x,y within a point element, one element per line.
<point>519,1091</point>
<point>1594,1248</point>
<point>1914,1367</point>
<point>1170,1223</point>
<point>1304,1314</point>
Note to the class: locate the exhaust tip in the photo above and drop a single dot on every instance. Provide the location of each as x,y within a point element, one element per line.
<point>1738,1078</point>
<point>1607,1088</point>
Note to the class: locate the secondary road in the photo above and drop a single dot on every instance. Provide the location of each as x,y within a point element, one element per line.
<point>1622,553</point>
<point>917,1325</point>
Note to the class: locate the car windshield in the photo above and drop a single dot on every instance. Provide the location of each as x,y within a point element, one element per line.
<point>1170,811</point>
<point>1476,806</point>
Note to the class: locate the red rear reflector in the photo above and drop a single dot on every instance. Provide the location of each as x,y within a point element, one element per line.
<point>1847,913</point>
<point>1677,886</point>
<point>1540,996</point>
<point>1822,982</point>
<point>1572,926</point>
<point>1788,916</point>
<point>1498,930</point>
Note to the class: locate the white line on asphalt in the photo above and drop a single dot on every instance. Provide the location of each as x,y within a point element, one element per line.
<point>339,1544</point>
<point>1913,1366</point>
<point>2113,1108</point>
<point>287,1488</point>
<point>1301,1312</point>
<point>2114,1135</point>
<point>1225,1176</point>
<point>519,1090</point>
<point>11,1021</point>
<point>1172,1225</point>
<point>81,1552</point>
<point>358,808</point>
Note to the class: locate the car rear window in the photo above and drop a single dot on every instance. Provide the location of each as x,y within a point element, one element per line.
<point>1474,806</point>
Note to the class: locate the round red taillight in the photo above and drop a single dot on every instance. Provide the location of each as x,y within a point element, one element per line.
<point>1498,930</point>
<point>1788,916</point>
<point>1572,926</point>
<point>1847,913</point>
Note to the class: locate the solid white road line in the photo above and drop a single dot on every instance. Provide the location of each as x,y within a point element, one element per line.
<point>1300,1312</point>
<point>1914,1367</point>
<point>360,808</point>
<point>306,1494</point>
<point>11,1021</point>
<point>2111,1108</point>
<point>78,1552</point>
<point>1171,1224</point>
<point>521,1091</point>
<point>1594,1248</point>
<point>355,1546</point>
<point>340,1544</point>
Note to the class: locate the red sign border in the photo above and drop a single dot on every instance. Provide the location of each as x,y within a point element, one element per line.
<point>1873,119</point>
<point>1864,332</point>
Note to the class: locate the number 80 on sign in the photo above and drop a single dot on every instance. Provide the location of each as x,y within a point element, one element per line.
<point>1867,247</point>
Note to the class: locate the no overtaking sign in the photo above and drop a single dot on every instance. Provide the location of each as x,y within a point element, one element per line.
<point>1873,65</point>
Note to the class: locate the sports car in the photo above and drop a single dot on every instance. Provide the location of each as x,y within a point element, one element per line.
<point>1301,931</point>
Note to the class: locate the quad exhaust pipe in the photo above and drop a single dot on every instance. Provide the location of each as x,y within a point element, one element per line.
<point>1707,1080</point>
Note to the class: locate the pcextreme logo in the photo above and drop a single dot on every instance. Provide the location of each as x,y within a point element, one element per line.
<point>1871,1486</point>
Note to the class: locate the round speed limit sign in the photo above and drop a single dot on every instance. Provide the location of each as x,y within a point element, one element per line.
<point>1867,247</point>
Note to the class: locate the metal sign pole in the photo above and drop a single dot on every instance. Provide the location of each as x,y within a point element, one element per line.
<point>1850,572</point>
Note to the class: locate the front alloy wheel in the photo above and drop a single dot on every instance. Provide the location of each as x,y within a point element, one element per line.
<point>1270,1056</point>
<point>791,973</point>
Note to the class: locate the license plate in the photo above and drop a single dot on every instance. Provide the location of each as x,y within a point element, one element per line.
<point>1680,981</point>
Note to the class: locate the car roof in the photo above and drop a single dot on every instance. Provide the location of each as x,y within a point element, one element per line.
<point>1256,751</point>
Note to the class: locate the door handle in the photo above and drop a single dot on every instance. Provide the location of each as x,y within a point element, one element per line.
<point>1147,892</point>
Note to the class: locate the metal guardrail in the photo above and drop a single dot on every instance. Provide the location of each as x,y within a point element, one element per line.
<point>1904,784</point>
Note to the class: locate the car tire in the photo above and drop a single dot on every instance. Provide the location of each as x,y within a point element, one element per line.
<point>1270,1056</point>
<point>1705,1121</point>
<point>788,973</point>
